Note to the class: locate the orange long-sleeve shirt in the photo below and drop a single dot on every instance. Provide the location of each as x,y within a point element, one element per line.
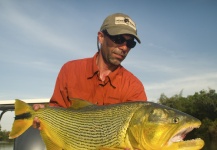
<point>79,79</point>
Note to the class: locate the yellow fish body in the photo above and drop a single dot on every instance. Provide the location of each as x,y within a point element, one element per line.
<point>134,125</point>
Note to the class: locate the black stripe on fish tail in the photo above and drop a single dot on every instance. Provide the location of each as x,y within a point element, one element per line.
<point>23,116</point>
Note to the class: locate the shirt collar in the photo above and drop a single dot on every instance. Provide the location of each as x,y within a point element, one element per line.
<point>93,70</point>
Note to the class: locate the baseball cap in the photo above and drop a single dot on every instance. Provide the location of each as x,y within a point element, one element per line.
<point>120,23</point>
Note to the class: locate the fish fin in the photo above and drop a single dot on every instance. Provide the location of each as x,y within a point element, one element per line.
<point>50,145</point>
<point>134,134</point>
<point>23,119</point>
<point>79,103</point>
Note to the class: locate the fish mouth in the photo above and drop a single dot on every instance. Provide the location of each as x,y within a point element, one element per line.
<point>181,134</point>
<point>178,138</point>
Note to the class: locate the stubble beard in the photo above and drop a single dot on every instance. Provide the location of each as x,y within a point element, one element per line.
<point>114,60</point>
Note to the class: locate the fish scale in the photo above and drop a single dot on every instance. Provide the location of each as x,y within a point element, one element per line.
<point>89,127</point>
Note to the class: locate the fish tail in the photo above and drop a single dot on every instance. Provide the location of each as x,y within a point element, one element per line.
<point>23,119</point>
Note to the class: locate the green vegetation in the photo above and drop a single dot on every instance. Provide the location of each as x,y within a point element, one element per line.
<point>4,135</point>
<point>202,105</point>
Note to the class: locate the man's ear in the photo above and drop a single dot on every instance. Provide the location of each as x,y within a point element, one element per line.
<point>100,37</point>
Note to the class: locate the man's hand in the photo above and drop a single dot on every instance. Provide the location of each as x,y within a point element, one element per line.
<point>36,121</point>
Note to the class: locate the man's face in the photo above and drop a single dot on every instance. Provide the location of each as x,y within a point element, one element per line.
<point>113,53</point>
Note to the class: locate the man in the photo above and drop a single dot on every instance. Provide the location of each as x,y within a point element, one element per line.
<point>102,79</point>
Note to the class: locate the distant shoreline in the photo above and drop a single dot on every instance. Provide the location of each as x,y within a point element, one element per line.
<point>5,142</point>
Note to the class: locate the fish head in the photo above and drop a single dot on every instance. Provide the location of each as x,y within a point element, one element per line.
<point>158,127</point>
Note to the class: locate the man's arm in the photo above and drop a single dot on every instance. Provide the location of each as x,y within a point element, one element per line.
<point>60,94</point>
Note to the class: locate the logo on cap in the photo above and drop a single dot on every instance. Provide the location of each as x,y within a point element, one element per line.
<point>125,21</point>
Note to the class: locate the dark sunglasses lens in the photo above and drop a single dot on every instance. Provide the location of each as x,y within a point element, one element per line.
<point>119,39</point>
<point>131,43</point>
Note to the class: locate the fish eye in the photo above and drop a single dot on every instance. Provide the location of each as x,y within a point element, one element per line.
<point>175,120</point>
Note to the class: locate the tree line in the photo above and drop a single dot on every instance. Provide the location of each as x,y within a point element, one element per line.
<point>4,135</point>
<point>201,105</point>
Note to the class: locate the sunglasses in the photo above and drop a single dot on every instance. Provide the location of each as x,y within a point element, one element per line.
<point>119,39</point>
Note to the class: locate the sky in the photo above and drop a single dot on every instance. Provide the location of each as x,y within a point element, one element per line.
<point>178,50</point>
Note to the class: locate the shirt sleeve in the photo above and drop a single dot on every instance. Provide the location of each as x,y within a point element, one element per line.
<point>60,96</point>
<point>136,90</point>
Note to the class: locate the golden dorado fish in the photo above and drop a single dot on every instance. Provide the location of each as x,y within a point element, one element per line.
<point>134,125</point>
